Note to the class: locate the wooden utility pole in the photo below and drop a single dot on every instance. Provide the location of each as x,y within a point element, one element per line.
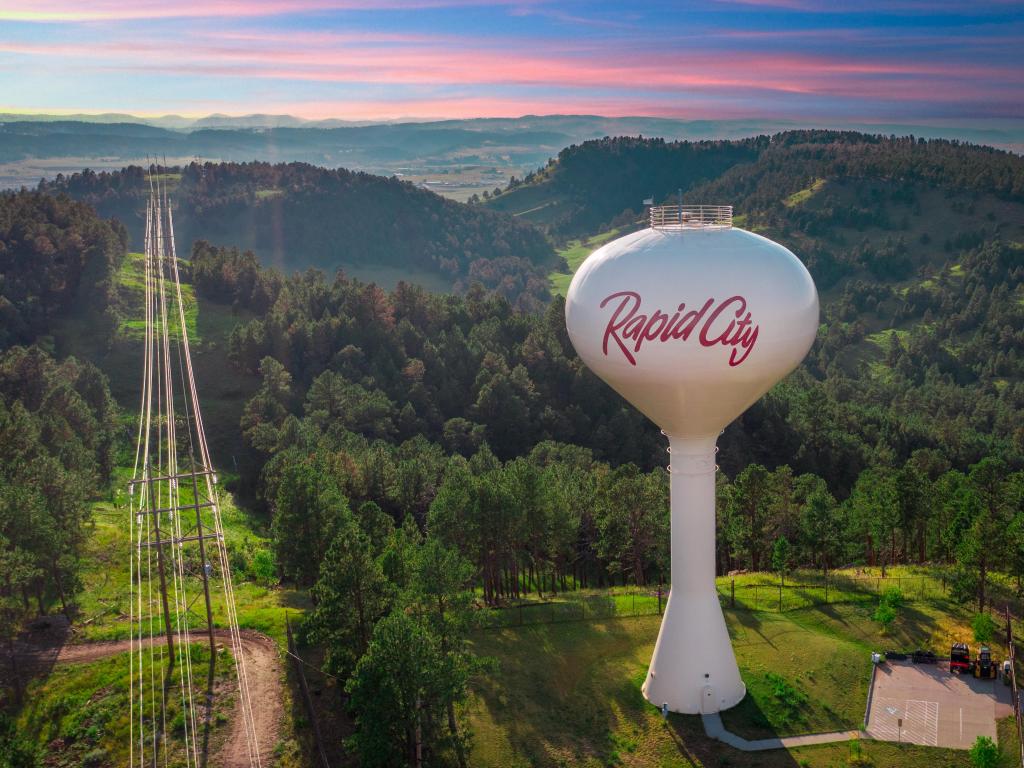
<point>203,565</point>
<point>154,514</point>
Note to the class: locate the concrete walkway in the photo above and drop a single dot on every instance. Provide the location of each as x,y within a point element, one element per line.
<point>715,728</point>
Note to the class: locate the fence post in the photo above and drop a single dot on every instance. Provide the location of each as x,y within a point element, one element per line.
<point>634,603</point>
<point>659,597</point>
<point>732,592</point>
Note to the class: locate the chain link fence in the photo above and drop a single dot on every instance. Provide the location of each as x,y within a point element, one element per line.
<point>740,594</point>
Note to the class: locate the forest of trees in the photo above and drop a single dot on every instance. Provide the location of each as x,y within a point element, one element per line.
<point>417,457</point>
<point>57,419</point>
<point>54,253</point>
<point>600,183</point>
<point>58,432</point>
<point>297,215</point>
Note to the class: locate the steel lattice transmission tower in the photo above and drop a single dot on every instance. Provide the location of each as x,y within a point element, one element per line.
<point>181,592</point>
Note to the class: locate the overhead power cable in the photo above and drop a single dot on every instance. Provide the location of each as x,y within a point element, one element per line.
<point>176,531</point>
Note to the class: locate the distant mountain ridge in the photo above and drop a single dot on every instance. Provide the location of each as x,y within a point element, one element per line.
<point>993,132</point>
<point>465,154</point>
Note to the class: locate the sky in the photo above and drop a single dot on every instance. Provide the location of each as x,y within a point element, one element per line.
<point>938,62</point>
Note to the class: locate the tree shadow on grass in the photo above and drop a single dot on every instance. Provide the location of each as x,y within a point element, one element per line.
<point>571,693</point>
<point>36,649</point>
<point>687,732</point>
<point>561,692</point>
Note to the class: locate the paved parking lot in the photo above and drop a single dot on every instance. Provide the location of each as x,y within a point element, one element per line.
<point>938,709</point>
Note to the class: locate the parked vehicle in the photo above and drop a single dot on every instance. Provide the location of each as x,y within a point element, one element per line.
<point>984,666</point>
<point>959,658</point>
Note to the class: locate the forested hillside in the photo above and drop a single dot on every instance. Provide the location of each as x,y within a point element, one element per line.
<point>296,216</point>
<point>409,449</point>
<point>599,184</point>
<point>55,256</point>
<point>58,421</point>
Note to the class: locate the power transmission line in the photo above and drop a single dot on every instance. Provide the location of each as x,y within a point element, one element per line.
<point>176,529</point>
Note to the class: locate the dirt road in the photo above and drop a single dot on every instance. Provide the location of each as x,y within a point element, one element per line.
<point>263,670</point>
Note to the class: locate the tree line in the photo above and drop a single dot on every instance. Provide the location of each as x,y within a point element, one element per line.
<point>58,433</point>
<point>298,215</point>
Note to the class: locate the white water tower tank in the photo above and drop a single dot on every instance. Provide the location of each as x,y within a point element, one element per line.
<point>692,320</point>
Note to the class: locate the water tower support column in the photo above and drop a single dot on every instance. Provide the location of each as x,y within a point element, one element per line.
<point>693,669</point>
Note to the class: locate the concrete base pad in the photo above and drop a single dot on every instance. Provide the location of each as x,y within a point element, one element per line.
<point>937,708</point>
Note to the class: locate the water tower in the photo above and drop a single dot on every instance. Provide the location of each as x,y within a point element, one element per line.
<point>692,320</point>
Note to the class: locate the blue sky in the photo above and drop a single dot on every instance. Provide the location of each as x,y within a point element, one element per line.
<point>869,61</point>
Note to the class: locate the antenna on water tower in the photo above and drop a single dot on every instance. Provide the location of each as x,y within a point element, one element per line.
<point>692,320</point>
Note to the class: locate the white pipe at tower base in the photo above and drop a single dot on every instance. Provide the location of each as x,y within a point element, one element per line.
<point>693,669</point>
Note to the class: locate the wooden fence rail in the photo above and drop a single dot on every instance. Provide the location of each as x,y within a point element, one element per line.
<point>1013,685</point>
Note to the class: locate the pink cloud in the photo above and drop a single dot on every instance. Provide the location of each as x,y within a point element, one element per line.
<point>112,10</point>
<point>416,60</point>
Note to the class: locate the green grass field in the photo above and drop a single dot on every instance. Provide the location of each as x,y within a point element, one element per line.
<point>569,693</point>
<point>574,254</point>
<point>78,711</point>
<point>79,714</point>
<point>804,194</point>
<point>131,287</point>
<point>103,603</point>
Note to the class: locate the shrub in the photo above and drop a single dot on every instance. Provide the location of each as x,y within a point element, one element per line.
<point>263,567</point>
<point>885,615</point>
<point>857,758</point>
<point>892,596</point>
<point>984,753</point>
<point>984,627</point>
<point>888,607</point>
<point>790,698</point>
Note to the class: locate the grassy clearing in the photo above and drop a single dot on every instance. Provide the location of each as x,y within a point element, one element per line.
<point>131,288</point>
<point>568,693</point>
<point>265,194</point>
<point>804,194</point>
<point>881,339</point>
<point>388,277</point>
<point>103,603</point>
<point>536,203</point>
<point>749,591</point>
<point>574,254</point>
<point>79,714</point>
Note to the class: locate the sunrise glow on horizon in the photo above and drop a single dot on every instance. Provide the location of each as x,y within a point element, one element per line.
<point>349,59</point>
